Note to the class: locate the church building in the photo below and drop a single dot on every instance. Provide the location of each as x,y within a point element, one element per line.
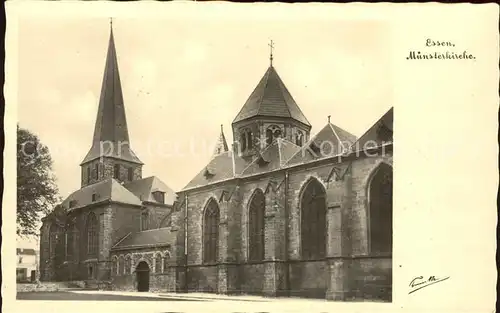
<point>280,212</point>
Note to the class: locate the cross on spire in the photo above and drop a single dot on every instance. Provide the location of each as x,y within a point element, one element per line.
<point>111,21</point>
<point>271,46</point>
<point>329,118</point>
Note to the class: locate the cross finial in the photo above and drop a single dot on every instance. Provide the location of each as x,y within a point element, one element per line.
<point>221,128</point>
<point>329,118</point>
<point>271,45</point>
<point>111,21</point>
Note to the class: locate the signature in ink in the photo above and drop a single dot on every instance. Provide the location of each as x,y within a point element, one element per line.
<point>420,282</point>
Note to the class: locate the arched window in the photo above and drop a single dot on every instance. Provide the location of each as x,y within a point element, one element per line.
<point>70,241</point>
<point>130,174</point>
<point>116,171</point>
<point>121,265</point>
<point>114,266</point>
<point>299,137</point>
<point>256,226</point>
<point>128,265</point>
<point>313,221</point>
<point>269,136</point>
<point>158,263</point>
<point>144,220</point>
<point>380,210</point>
<point>88,175</point>
<point>243,141</point>
<point>96,166</point>
<point>250,139</point>
<point>211,232</point>
<point>92,235</point>
<point>166,259</point>
<point>53,239</point>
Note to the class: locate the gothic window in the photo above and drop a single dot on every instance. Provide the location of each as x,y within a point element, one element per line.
<point>158,263</point>
<point>88,175</point>
<point>211,232</point>
<point>53,238</point>
<point>145,221</point>
<point>116,171</point>
<point>166,260</point>
<point>114,266</point>
<point>92,234</point>
<point>96,166</point>
<point>380,210</point>
<point>243,141</point>
<point>250,140</point>
<point>128,265</point>
<point>313,221</point>
<point>121,265</point>
<point>69,242</point>
<point>256,226</point>
<point>130,174</point>
<point>299,137</point>
<point>269,136</point>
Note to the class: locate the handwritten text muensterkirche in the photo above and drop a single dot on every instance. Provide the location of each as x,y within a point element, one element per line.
<point>439,55</point>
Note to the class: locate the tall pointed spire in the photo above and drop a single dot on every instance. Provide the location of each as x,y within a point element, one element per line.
<point>221,145</point>
<point>111,131</point>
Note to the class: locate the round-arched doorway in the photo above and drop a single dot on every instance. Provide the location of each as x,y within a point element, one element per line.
<point>142,273</point>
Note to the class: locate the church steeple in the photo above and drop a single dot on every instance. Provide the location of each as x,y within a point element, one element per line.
<point>221,145</point>
<point>111,138</point>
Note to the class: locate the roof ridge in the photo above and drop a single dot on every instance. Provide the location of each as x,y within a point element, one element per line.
<point>120,241</point>
<point>280,85</point>
<point>288,108</point>
<point>257,158</point>
<point>266,75</point>
<point>370,128</point>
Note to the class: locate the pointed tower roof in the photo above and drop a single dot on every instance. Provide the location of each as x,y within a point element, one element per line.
<point>111,123</point>
<point>271,98</point>
<point>221,145</point>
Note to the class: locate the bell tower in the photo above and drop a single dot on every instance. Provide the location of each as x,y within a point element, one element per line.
<point>110,154</point>
<point>270,112</point>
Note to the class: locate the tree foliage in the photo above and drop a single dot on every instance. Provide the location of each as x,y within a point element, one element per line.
<point>37,191</point>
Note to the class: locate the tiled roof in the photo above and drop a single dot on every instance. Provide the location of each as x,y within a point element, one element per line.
<point>271,158</point>
<point>144,188</point>
<point>329,141</point>
<point>218,169</point>
<point>271,98</point>
<point>25,251</point>
<point>381,132</point>
<point>154,237</point>
<point>108,189</point>
<point>111,122</point>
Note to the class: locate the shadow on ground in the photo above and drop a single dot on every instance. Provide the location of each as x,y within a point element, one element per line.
<point>70,296</point>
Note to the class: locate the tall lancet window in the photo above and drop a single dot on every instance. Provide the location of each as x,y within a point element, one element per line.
<point>250,140</point>
<point>299,137</point>
<point>313,220</point>
<point>88,175</point>
<point>211,232</point>
<point>269,136</point>
<point>256,226</point>
<point>96,170</point>
<point>243,141</point>
<point>116,171</point>
<point>380,209</point>
<point>92,234</point>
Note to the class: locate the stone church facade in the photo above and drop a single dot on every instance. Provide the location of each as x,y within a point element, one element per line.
<point>280,212</point>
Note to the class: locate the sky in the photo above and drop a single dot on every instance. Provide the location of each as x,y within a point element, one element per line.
<point>182,77</point>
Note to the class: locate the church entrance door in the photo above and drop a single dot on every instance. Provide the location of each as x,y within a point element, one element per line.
<point>142,272</point>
